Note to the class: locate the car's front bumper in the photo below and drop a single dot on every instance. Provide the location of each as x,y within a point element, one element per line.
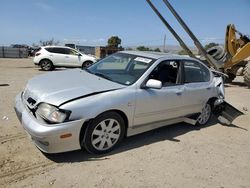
<point>48,138</point>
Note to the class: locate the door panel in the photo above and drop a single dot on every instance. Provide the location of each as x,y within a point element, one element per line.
<point>198,86</point>
<point>154,105</point>
<point>58,59</point>
<point>71,58</point>
<point>196,96</point>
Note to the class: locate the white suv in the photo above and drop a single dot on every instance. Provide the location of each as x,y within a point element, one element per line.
<point>49,57</point>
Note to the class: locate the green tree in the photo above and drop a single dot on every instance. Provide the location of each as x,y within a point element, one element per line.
<point>210,45</point>
<point>157,50</point>
<point>143,48</point>
<point>114,42</point>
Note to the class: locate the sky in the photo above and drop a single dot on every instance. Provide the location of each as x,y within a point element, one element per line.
<point>92,22</point>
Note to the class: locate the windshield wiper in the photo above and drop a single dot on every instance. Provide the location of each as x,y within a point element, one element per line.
<point>102,75</point>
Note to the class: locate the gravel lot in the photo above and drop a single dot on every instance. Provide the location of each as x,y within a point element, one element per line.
<point>180,155</point>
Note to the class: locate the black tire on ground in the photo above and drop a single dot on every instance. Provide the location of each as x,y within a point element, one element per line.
<point>86,64</point>
<point>46,65</point>
<point>246,74</point>
<point>205,115</point>
<point>230,78</point>
<point>104,133</point>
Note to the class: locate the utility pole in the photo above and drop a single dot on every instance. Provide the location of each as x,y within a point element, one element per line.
<point>164,43</point>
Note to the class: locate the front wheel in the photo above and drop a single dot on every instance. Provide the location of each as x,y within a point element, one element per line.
<point>205,115</point>
<point>104,133</point>
<point>86,64</point>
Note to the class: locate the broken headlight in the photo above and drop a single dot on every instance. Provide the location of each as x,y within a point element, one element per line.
<point>51,113</point>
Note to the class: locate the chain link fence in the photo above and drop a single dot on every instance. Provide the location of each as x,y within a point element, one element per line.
<point>10,52</point>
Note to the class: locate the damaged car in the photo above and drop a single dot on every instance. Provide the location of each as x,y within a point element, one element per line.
<point>124,94</point>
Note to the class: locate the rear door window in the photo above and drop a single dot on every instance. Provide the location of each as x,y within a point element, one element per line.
<point>57,50</point>
<point>195,72</point>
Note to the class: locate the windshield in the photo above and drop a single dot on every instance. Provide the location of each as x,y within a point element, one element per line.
<point>122,68</point>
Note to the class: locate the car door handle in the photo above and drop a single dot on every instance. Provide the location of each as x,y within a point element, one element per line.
<point>208,88</point>
<point>66,56</point>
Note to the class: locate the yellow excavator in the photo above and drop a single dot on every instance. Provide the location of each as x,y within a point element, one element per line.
<point>235,54</point>
<point>231,60</point>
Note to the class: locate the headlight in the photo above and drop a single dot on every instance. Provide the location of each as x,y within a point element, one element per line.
<point>52,113</point>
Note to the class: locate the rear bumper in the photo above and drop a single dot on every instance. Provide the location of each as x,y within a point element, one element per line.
<point>48,137</point>
<point>36,60</point>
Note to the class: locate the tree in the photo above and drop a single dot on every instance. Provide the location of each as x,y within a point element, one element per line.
<point>143,48</point>
<point>210,45</point>
<point>157,50</point>
<point>114,42</point>
<point>50,42</point>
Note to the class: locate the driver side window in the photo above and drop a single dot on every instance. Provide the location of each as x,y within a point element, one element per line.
<point>167,72</point>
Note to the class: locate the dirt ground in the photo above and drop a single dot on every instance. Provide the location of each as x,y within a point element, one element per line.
<point>179,155</point>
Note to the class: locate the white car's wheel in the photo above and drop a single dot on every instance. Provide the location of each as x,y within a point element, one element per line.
<point>86,64</point>
<point>205,115</point>
<point>46,65</point>
<point>104,133</point>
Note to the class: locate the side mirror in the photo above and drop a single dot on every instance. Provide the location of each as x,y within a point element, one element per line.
<point>79,54</point>
<point>154,84</point>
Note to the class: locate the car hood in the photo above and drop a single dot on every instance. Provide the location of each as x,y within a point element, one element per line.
<point>59,87</point>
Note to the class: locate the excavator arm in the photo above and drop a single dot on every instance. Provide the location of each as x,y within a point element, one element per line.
<point>237,49</point>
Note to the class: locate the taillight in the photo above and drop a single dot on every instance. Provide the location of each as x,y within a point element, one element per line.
<point>37,54</point>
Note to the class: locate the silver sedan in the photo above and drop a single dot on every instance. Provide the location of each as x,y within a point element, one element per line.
<point>124,94</point>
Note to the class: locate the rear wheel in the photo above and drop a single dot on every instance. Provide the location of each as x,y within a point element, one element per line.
<point>205,115</point>
<point>104,133</point>
<point>246,74</point>
<point>46,65</point>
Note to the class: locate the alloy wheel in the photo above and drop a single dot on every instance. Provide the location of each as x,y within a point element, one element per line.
<point>205,114</point>
<point>106,134</point>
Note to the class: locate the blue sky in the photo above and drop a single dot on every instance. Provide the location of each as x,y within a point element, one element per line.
<point>92,22</point>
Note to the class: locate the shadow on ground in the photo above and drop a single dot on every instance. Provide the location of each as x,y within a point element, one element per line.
<point>27,67</point>
<point>233,84</point>
<point>165,133</point>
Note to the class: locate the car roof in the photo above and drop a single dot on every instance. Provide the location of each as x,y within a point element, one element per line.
<point>56,47</point>
<point>156,55</point>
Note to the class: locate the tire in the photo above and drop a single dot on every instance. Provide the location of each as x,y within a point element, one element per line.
<point>46,65</point>
<point>246,74</point>
<point>205,115</point>
<point>217,52</point>
<point>104,133</point>
<point>86,64</point>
